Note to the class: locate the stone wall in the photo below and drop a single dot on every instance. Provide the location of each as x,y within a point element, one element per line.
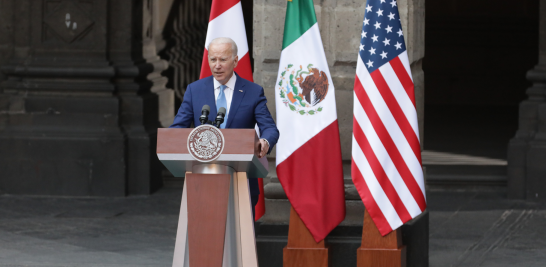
<point>340,23</point>
<point>81,97</point>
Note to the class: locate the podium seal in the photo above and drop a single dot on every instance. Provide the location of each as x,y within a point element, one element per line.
<point>205,143</point>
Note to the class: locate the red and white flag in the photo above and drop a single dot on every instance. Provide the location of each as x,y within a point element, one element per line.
<point>226,20</point>
<point>386,155</point>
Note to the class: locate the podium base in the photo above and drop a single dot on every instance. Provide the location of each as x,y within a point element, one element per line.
<point>238,242</point>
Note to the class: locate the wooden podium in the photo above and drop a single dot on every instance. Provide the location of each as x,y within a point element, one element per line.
<point>216,227</point>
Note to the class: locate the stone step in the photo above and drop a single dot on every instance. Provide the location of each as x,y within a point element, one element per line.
<point>466,175</point>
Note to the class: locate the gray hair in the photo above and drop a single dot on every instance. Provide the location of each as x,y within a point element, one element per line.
<point>225,40</point>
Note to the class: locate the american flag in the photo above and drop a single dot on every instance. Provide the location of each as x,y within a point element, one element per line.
<point>386,155</point>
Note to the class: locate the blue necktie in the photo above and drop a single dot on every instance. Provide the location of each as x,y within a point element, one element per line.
<point>221,102</point>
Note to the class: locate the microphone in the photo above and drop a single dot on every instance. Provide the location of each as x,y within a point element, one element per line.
<point>220,117</point>
<point>205,111</point>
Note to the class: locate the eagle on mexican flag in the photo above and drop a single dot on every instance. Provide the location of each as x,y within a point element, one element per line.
<point>308,157</point>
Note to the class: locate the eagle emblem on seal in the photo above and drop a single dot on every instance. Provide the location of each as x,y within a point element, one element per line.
<point>206,143</point>
<point>302,90</point>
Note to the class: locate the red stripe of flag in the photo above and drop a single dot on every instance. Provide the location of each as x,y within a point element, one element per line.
<point>244,64</point>
<point>404,78</point>
<point>220,6</point>
<point>367,197</point>
<point>312,177</point>
<point>379,172</point>
<point>389,145</point>
<point>205,68</point>
<point>259,209</point>
<point>397,112</point>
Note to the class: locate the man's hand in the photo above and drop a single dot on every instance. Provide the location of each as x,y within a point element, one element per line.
<point>265,147</point>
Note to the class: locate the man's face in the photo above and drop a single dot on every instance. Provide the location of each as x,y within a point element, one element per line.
<point>221,62</point>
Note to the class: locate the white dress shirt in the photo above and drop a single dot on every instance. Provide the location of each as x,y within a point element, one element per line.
<point>228,91</point>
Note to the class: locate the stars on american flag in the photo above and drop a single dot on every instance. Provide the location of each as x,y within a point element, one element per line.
<point>388,29</point>
<point>386,41</point>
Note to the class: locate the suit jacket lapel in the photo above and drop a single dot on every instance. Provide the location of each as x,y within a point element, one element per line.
<point>238,94</point>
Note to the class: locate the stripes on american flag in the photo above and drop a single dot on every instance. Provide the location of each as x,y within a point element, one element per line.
<point>386,155</point>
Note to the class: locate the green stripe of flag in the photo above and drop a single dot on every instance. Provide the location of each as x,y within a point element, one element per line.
<point>300,16</point>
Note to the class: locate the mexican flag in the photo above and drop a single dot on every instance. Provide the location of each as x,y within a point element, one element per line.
<point>308,152</point>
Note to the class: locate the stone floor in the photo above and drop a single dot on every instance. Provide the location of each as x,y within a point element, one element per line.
<point>485,229</point>
<point>47,231</point>
<point>466,229</point>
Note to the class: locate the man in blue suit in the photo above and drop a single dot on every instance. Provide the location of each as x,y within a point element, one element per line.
<point>244,101</point>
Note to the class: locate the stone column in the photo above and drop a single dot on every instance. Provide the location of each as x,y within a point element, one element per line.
<point>145,102</point>
<point>340,23</point>
<point>80,99</point>
<point>527,150</point>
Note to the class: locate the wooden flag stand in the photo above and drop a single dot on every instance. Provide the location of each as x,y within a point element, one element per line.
<point>377,250</point>
<point>302,250</point>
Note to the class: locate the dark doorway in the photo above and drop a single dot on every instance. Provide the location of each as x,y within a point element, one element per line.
<point>477,55</point>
